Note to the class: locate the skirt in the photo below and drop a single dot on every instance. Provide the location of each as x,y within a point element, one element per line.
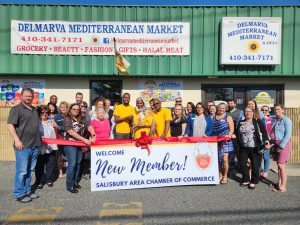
<point>284,154</point>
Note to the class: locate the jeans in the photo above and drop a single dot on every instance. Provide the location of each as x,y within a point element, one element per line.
<point>44,171</point>
<point>25,165</point>
<point>74,156</point>
<point>266,159</point>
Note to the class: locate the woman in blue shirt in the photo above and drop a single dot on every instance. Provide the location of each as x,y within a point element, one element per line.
<point>281,133</point>
<point>199,124</point>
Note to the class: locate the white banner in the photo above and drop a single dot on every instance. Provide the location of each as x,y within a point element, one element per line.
<point>166,90</point>
<point>251,40</point>
<point>128,167</point>
<point>96,38</point>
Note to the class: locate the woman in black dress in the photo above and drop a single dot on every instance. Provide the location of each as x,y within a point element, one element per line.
<point>178,124</point>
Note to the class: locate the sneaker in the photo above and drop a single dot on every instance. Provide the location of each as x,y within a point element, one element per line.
<point>33,196</point>
<point>24,199</point>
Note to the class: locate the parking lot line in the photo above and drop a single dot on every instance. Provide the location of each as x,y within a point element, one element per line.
<point>112,209</point>
<point>117,211</point>
<point>34,215</point>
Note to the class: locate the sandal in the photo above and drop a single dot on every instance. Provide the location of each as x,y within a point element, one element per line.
<point>274,186</point>
<point>278,190</point>
<point>224,181</point>
<point>62,175</point>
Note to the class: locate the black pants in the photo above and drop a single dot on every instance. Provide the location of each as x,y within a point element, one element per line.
<point>232,161</point>
<point>85,168</point>
<point>255,157</point>
<point>44,170</point>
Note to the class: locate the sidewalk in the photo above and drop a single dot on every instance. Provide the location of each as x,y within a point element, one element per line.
<point>293,169</point>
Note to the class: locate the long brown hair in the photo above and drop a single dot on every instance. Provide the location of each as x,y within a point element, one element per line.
<point>256,112</point>
<point>101,99</point>
<point>80,117</point>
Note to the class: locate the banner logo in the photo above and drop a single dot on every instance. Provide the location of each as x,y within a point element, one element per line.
<point>203,156</point>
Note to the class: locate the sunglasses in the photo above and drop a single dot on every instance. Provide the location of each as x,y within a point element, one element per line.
<point>156,103</point>
<point>178,101</point>
<point>265,110</point>
<point>76,110</point>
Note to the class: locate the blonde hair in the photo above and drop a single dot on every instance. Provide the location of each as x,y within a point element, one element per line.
<point>64,103</point>
<point>182,113</point>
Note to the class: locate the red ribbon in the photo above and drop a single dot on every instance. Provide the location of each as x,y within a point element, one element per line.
<point>142,142</point>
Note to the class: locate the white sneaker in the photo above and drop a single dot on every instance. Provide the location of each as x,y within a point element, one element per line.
<point>24,199</point>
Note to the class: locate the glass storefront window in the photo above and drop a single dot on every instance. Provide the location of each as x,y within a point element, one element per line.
<point>110,89</point>
<point>263,94</point>
<point>219,94</point>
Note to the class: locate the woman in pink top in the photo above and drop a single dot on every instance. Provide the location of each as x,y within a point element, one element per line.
<point>101,126</point>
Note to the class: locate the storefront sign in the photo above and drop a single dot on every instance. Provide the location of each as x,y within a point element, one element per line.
<point>96,38</point>
<point>165,90</point>
<point>251,40</point>
<point>11,91</point>
<point>127,167</point>
<point>263,98</point>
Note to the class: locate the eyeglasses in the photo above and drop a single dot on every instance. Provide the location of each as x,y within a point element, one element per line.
<point>76,110</point>
<point>83,106</point>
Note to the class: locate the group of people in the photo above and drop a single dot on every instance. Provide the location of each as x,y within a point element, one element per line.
<point>251,134</point>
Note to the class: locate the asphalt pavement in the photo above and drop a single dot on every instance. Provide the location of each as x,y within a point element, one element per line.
<point>182,205</point>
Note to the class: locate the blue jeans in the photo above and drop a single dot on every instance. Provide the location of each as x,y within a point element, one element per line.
<point>74,156</point>
<point>25,165</point>
<point>266,159</point>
